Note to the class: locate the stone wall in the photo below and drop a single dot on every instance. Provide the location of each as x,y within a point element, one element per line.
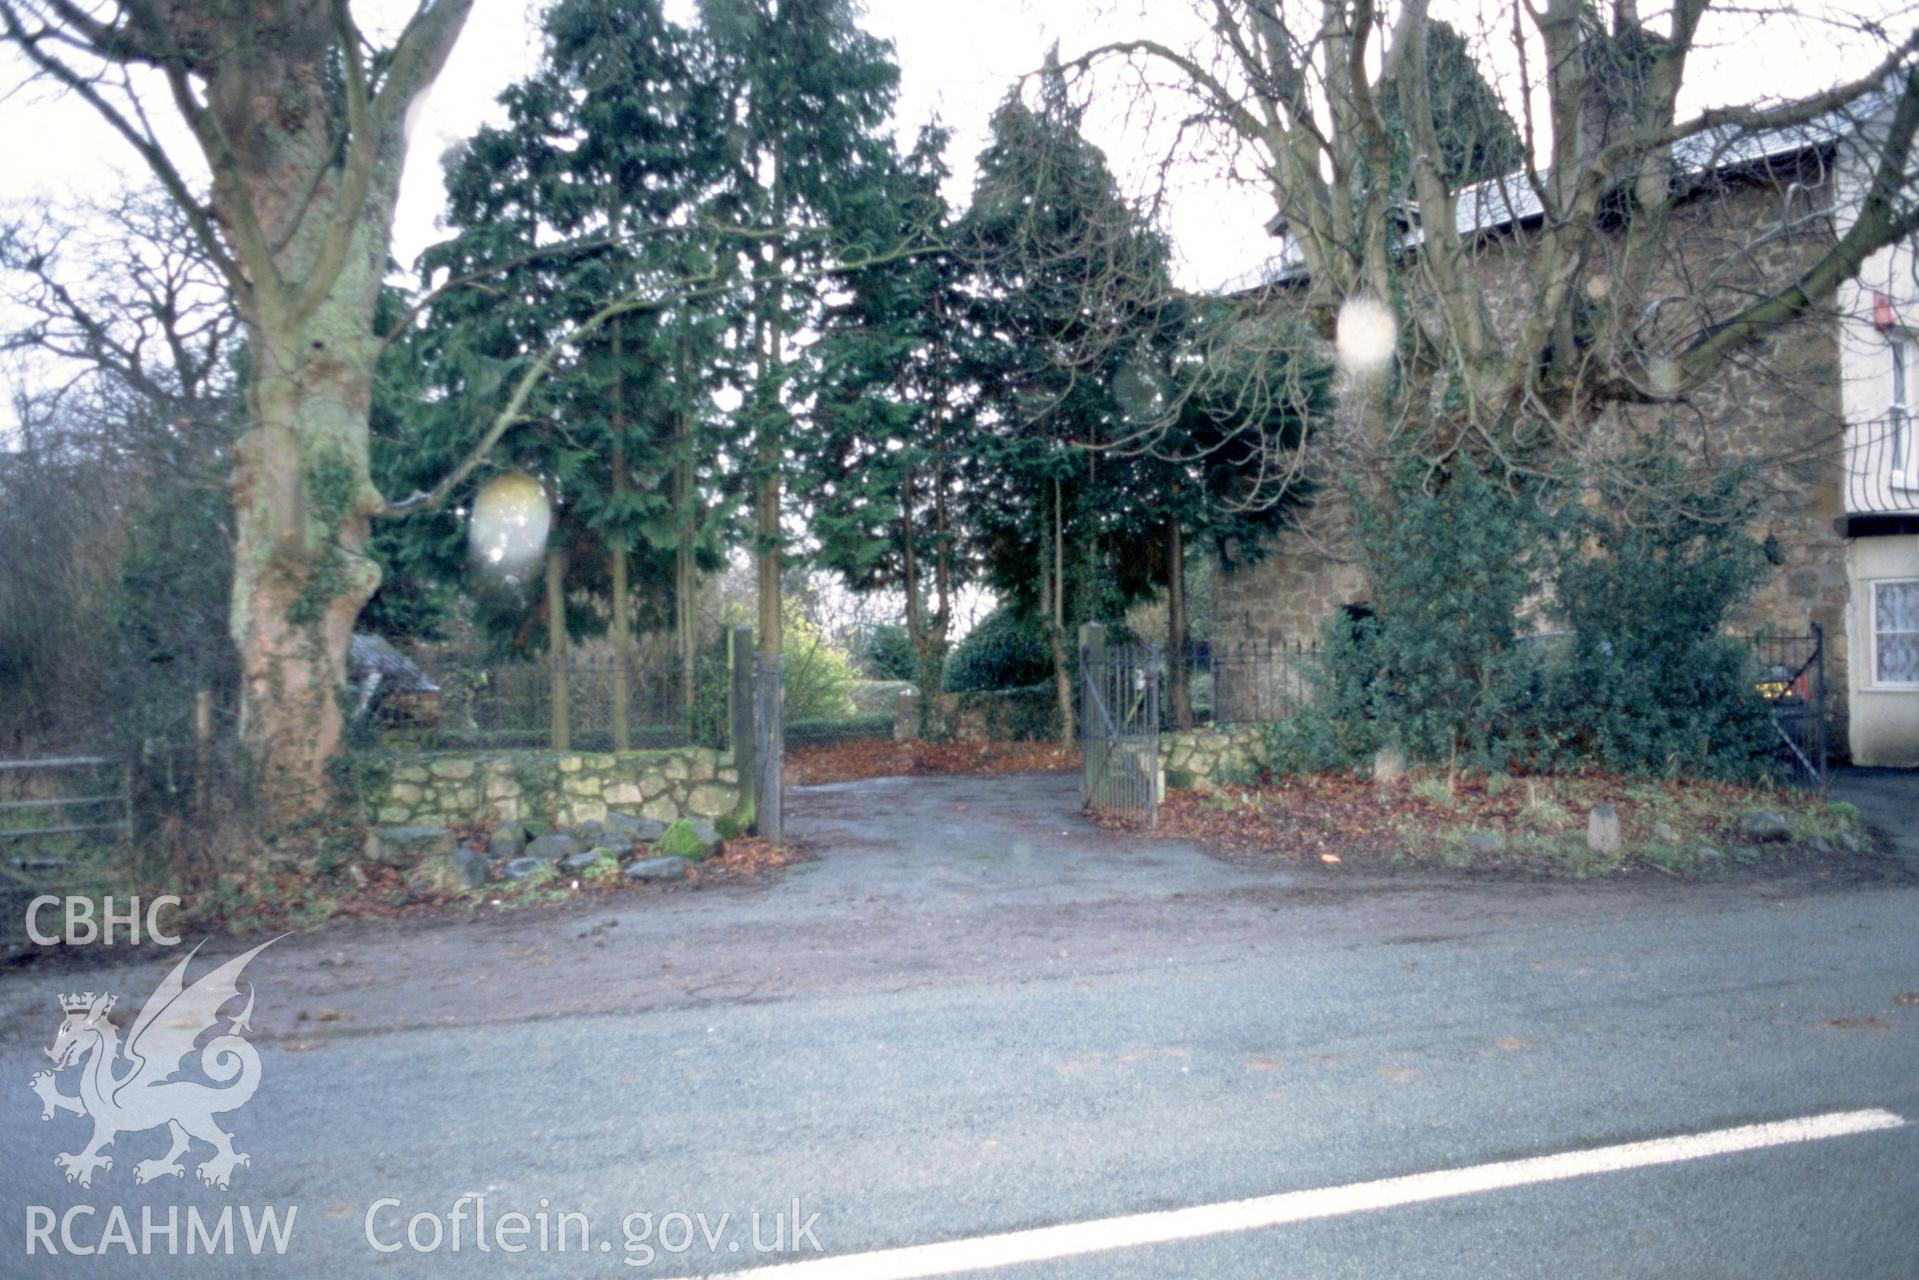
<point>563,789</point>
<point>1777,406</point>
<point>1207,758</point>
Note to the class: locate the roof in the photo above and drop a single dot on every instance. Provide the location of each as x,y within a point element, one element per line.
<point>1498,204</point>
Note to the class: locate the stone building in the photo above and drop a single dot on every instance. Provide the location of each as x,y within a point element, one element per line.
<point>1824,410</point>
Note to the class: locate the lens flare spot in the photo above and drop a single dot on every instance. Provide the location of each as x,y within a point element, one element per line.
<point>511,518</point>
<point>1364,336</point>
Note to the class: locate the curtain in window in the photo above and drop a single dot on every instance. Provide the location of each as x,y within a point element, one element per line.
<point>1896,628</point>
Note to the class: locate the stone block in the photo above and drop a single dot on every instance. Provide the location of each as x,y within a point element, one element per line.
<point>661,868</point>
<point>710,800</point>
<point>404,847</point>
<point>1603,834</point>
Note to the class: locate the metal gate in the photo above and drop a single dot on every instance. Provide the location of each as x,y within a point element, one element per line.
<point>1119,727</point>
<point>65,824</point>
<point>1793,679</point>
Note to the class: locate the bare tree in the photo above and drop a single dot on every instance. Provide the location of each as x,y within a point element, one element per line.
<point>130,443</point>
<point>1528,303</point>
<point>301,124</point>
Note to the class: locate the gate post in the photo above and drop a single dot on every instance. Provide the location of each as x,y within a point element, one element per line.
<point>1092,643</point>
<point>770,727</point>
<point>739,719</point>
<point>1094,745</point>
<point>1819,701</point>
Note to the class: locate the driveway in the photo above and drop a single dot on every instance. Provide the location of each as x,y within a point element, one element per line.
<point>974,1017</point>
<point>1888,799</point>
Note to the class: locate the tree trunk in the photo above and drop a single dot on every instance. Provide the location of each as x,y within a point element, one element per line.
<point>303,214</point>
<point>769,434</point>
<point>1056,631</point>
<point>622,620</point>
<point>1178,661</point>
<point>302,497</point>
<point>561,726</point>
<point>686,525</point>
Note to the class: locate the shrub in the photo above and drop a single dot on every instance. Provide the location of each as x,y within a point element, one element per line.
<point>1651,685</point>
<point>1439,669</point>
<point>819,675</point>
<point>1645,684</point>
<point>890,655</point>
<point>1305,743</point>
<point>1005,651</point>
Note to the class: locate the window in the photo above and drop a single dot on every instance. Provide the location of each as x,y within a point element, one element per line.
<point>1895,632</point>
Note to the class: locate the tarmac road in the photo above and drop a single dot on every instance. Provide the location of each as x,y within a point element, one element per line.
<point>975,1015</point>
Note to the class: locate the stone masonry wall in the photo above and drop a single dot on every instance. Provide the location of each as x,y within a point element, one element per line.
<point>1207,758</point>
<point>1776,406</point>
<point>447,788</point>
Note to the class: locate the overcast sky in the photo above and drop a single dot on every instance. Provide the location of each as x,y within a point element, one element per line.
<point>956,60</point>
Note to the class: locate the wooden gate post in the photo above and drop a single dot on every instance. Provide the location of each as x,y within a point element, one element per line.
<point>770,757</point>
<point>739,719</point>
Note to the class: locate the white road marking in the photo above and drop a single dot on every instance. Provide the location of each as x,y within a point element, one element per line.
<point>1106,1234</point>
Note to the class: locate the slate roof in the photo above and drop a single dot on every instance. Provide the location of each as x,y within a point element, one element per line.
<point>1499,203</point>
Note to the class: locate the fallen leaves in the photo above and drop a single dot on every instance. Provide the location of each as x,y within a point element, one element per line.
<point>880,758</point>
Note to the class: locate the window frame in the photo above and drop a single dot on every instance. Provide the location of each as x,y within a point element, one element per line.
<point>1902,408</point>
<point>1872,620</point>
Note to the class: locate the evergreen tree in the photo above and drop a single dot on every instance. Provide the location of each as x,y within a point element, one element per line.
<point>804,93</point>
<point>891,419</point>
<point>589,193</point>
<point>1063,269</point>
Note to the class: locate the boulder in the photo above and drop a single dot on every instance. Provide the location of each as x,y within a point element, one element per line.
<point>552,848</point>
<point>689,838</point>
<point>455,872</point>
<point>506,840</point>
<point>525,868</point>
<point>469,864</point>
<point>1762,826</point>
<point>668,867</point>
<point>589,831</point>
<point>628,827</point>
<point>1706,853</point>
<point>1665,833</point>
<point>1850,842</point>
<point>574,863</point>
<point>1603,834</point>
<point>408,846</point>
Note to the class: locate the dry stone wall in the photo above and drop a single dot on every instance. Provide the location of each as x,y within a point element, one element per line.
<point>1207,758</point>
<point>562,789</point>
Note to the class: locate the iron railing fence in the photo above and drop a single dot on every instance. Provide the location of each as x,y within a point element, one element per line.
<point>484,703</point>
<point>1244,682</point>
